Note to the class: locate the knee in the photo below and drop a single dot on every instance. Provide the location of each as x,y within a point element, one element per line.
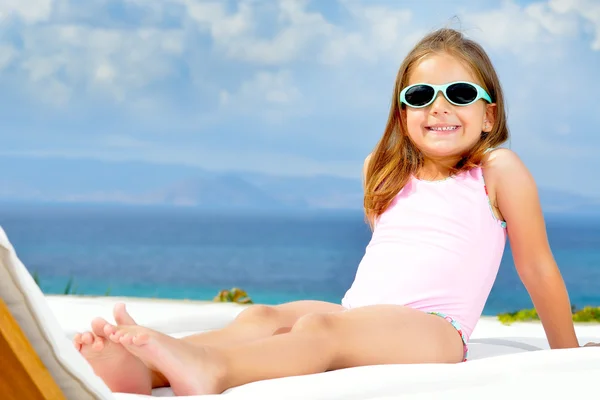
<point>258,314</point>
<point>315,323</point>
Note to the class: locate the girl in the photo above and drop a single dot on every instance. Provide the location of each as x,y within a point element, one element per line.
<point>441,200</point>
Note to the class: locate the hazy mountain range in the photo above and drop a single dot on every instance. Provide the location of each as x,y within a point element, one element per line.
<point>89,181</point>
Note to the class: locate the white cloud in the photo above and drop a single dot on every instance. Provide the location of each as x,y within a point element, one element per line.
<point>68,58</point>
<point>273,93</point>
<point>105,73</point>
<point>236,34</point>
<point>538,30</point>
<point>528,32</point>
<point>265,87</point>
<point>119,61</point>
<point>99,60</point>
<point>7,55</point>
<point>381,31</point>
<point>30,11</point>
<point>589,10</point>
<point>300,31</point>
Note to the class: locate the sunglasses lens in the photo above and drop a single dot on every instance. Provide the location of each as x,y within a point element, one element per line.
<point>462,93</point>
<point>419,95</point>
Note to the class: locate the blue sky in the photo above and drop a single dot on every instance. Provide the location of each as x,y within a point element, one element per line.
<point>287,87</point>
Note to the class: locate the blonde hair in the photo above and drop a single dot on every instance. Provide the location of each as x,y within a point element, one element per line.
<point>395,158</point>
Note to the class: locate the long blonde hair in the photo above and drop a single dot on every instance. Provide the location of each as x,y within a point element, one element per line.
<point>395,158</point>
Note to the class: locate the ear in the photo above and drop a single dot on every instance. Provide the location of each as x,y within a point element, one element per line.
<point>489,118</point>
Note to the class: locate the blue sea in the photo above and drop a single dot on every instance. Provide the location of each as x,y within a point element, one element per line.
<point>182,253</point>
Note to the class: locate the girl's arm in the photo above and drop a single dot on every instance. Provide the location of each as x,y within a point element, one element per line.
<point>518,203</point>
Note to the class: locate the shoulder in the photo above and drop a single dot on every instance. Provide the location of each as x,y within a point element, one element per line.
<point>512,187</point>
<point>500,162</point>
<point>509,182</point>
<point>503,169</point>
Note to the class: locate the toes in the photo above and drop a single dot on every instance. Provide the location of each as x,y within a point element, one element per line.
<point>141,339</point>
<point>77,341</point>
<point>77,338</point>
<point>98,344</point>
<point>109,330</point>
<point>121,315</point>
<point>126,339</point>
<point>136,339</point>
<point>87,338</point>
<point>98,325</point>
<point>117,335</point>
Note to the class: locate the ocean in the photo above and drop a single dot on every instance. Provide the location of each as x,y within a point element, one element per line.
<point>182,253</point>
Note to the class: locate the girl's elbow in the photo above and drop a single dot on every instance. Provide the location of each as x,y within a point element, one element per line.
<point>535,273</point>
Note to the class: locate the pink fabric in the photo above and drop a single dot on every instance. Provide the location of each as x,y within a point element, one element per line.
<point>437,248</point>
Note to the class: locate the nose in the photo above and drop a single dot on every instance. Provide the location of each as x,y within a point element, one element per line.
<point>440,105</point>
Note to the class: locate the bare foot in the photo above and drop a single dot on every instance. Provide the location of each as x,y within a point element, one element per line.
<point>119,369</point>
<point>191,370</point>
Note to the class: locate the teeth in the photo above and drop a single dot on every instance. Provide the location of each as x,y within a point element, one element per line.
<point>443,128</point>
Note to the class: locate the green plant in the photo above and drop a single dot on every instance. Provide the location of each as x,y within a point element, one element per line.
<point>521,316</point>
<point>70,288</point>
<point>234,295</point>
<point>586,314</point>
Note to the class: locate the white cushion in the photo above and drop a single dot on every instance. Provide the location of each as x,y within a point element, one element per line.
<point>28,306</point>
<point>547,373</point>
<point>494,348</point>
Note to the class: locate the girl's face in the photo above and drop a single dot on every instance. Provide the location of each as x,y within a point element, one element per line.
<point>442,130</point>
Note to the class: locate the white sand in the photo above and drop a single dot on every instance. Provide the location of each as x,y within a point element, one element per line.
<point>75,312</point>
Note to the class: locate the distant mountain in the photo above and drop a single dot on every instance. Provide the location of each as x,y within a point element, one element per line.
<point>91,181</point>
<point>88,181</point>
<point>320,191</point>
<point>218,191</point>
<point>557,201</point>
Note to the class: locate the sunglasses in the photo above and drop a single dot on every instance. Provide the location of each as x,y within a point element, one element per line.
<point>458,93</point>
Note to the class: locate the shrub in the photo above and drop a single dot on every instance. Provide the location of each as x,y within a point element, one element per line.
<point>234,295</point>
<point>586,314</point>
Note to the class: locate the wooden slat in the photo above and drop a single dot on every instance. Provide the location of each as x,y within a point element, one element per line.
<point>22,373</point>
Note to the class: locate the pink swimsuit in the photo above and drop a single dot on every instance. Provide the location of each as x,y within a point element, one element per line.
<point>437,249</point>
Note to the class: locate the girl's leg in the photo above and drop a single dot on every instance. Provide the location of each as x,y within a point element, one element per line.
<point>110,359</point>
<point>260,321</point>
<point>255,322</point>
<point>316,343</point>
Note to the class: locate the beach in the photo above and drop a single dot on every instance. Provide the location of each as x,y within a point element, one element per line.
<point>171,316</point>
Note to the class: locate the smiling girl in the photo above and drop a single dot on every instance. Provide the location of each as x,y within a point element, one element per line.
<point>441,198</point>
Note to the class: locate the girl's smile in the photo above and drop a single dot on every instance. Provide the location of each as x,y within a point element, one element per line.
<point>443,129</point>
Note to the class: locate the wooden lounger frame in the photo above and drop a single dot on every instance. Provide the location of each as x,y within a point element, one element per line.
<point>22,373</point>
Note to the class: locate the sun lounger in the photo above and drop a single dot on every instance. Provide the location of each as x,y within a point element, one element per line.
<point>40,362</point>
<point>24,306</point>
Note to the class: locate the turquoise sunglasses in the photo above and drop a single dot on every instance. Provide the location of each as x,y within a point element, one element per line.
<point>458,93</point>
